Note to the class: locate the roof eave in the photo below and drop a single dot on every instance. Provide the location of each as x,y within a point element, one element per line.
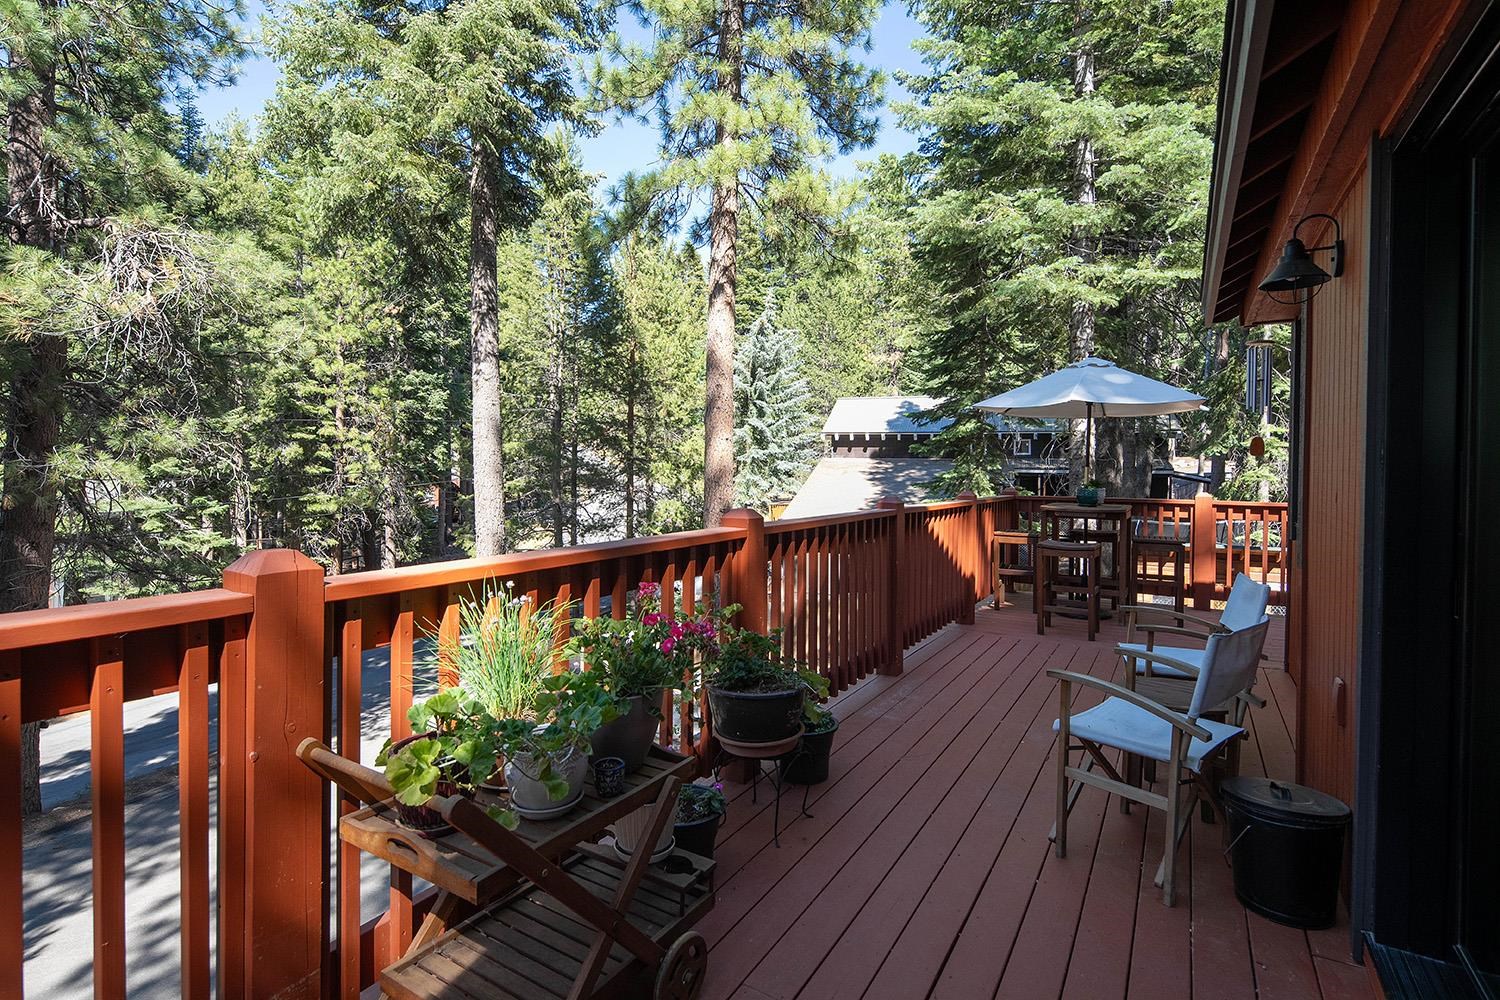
<point>1246,27</point>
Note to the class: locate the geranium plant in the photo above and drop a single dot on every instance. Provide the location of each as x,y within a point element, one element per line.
<point>647,651</point>
<point>569,707</point>
<point>458,745</point>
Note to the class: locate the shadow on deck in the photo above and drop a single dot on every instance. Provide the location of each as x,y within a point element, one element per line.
<point>925,869</point>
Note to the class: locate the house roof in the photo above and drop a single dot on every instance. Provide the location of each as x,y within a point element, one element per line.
<point>902,415</point>
<point>841,483</point>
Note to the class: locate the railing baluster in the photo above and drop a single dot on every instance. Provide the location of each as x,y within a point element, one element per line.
<point>107,792</point>
<point>351,691</point>
<point>399,920</point>
<point>192,808</point>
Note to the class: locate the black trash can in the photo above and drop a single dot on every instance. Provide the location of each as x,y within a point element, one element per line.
<point>1287,848</point>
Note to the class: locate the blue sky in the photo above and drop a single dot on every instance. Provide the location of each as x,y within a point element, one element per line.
<point>622,146</point>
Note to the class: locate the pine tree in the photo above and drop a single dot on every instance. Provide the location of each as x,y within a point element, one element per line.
<point>1068,149</point>
<point>748,96</point>
<point>773,439</point>
<point>440,104</point>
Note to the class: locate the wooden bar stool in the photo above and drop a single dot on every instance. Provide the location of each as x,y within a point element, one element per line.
<point>1019,566</point>
<point>1067,568</point>
<point>1146,547</point>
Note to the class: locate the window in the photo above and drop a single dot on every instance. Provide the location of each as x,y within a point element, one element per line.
<point>1022,447</point>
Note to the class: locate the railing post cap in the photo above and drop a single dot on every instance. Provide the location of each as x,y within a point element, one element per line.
<point>891,502</point>
<point>968,495</point>
<point>268,562</point>
<point>743,515</point>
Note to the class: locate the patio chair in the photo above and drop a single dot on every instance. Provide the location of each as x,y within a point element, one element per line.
<point>1131,723</point>
<point>1066,568</point>
<point>1246,606</point>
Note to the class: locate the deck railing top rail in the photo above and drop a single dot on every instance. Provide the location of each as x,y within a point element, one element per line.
<point>287,645</point>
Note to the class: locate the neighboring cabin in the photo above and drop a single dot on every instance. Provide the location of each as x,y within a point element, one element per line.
<point>871,453</point>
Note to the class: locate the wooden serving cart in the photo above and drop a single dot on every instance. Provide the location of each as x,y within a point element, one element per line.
<point>543,911</point>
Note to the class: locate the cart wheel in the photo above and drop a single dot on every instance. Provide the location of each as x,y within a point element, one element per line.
<point>681,974</point>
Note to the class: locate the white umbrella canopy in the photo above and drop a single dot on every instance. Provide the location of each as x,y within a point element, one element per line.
<point>1092,388</point>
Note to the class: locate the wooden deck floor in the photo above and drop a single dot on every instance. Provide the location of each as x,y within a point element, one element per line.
<point>926,872</point>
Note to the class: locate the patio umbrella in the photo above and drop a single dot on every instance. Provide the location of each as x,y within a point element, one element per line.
<point>1092,388</point>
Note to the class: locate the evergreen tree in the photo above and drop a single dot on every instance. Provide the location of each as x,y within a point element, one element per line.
<point>1068,148</point>
<point>441,103</point>
<point>748,96</point>
<point>774,443</point>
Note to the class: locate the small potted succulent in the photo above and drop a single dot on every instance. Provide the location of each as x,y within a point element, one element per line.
<point>1091,493</point>
<point>809,764</point>
<point>700,813</point>
<point>756,693</point>
<point>453,748</point>
<point>547,757</point>
<point>638,658</point>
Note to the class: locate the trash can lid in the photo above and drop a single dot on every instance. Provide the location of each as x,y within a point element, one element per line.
<point>1283,798</point>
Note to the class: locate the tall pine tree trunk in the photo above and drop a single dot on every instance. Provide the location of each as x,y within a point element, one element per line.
<point>632,389</point>
<point>484,328</point>
<point>1081,320</point>
<point>28,523</point>
<point>718,414</point>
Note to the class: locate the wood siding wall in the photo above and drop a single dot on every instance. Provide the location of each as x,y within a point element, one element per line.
<point>1324,638</point>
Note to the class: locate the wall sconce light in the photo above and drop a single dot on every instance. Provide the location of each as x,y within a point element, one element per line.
<point>1296,272</point>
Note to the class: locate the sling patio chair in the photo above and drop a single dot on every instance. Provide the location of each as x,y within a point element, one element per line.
<point>1133,724</point>
<point>1246,606</point>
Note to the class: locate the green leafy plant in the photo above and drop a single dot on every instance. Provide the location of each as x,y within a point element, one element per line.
<point>746,661</point>
<point>699,802</point>
<point>647,651</point>
<point>569,707</point>
<point>816,718</point>
<point>503,650</point>
<point>459,747</point>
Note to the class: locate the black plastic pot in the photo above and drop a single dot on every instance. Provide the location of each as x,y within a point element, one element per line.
<point>424,819</point>
<point>630,736</point>
<point>808,764</point>
<point>1287,848</point>
<point>756,717</point>
<point>699,836</point>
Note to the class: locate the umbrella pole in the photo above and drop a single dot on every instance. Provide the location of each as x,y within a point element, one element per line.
<point>1088,444</point>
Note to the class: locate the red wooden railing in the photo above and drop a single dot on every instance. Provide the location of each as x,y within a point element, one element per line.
<point>850,592</point>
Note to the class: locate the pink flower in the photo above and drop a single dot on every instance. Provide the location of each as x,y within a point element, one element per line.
<point>676,630</point>
<point>650,619</point>
<point>667,644</point>
<point>650,589</point>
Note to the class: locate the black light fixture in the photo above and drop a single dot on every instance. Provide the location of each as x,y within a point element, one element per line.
<point>1296,272</point>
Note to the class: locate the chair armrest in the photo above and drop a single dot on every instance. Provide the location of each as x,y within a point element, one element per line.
<point>1138,700</point>
<point>1157,657</point>
<point>1133,611</point>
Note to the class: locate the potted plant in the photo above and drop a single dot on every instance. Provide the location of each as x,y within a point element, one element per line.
<point>700,813</point>
<point>547,757</point>
<point>638,658</point>
<point>1091,493</point>
<point>453,749</point>
<point>503,650</point>
<point>809,764</point>
<point>755,692</point>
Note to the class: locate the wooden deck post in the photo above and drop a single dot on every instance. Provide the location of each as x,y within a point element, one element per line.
<point>973,557</point>
<point>273,843</point>
<point>748,583</point>
<point>895,643</point>
<point>1205,551</point>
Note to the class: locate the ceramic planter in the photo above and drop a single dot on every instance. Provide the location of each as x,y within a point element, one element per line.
<point>528,795</point>
<point>630,829</point>
<point>699,836</point>
<point>630,736</point>
<point>756,717</point>
<point>1090,496</point>
<point>809,765</point>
